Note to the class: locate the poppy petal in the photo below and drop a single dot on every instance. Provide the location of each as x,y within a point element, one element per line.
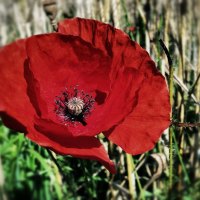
<point>18,113</point>
<point>74,62</point>
<point>121,100</point>
<point>112,41</point>
<point>108,42</point>
<point>67,63</point>
<point>49,72</point>
<point>81,147</point>
<point>125,53</point>
<point>98,34</point>
<point>142,128</point>
<point>15,108</point>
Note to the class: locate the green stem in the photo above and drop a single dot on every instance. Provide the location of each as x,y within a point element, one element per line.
<point>170,158</point>
<point>130,168</point>
<point>181,161</point>
<point>140,187</point>
<point>171,93</point>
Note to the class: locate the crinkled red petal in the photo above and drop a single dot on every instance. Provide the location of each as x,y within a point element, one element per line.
<point>150,112</point>
<point>125,54</point>
<point>70,62</point>
<point>113,42</point>
<point>142,128</point>
<point>100,49</point>
<point>15,108</point>
<point>67,63</point>
<point>18,113</point>
<point>81,147</point>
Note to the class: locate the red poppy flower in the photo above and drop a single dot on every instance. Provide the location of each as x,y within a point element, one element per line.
<point>62,89</point>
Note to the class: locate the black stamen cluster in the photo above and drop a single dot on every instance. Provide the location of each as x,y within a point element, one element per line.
<point>62,111</point>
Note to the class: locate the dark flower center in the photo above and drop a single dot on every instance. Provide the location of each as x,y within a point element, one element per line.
<point>73,106</point>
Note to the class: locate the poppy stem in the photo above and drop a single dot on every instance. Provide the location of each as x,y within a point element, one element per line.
<point>132,175</point>
<point>171,92</point>
<point>130,168</point>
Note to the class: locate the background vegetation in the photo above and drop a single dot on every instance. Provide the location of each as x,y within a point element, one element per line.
<point>28,171</point>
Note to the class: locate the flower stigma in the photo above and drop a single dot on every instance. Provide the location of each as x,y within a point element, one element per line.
<point>73,106</point>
